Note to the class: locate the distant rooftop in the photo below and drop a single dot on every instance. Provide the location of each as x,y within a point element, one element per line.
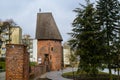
<point>46,27</point>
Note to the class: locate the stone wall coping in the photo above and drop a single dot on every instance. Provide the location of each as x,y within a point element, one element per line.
<point>17,44</point>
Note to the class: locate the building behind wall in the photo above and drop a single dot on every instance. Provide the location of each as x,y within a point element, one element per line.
<point>16,35</point>
<point>49,47</point>
<point>34,50</point>
<point>10,35</point>
<point>28,41</point>
<point>66,54</point>
<point>31,47</point>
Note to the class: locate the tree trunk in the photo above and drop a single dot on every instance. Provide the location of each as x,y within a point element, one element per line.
<point>110,74</point>
<point>118,74</point>
<point>73,73</point>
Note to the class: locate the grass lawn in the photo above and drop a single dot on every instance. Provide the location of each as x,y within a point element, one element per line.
<point>33,63</point>
<point>2,66</point>
<point>43,79</point>
<point>85,76</point>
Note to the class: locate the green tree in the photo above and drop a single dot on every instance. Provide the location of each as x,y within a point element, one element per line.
<point>108,14</point>
<point>87,40</point>
<point>116,56</point>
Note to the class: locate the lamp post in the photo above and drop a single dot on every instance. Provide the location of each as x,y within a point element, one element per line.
<point>0,53</point>
<point>0,46</point>
<point>0,43</point>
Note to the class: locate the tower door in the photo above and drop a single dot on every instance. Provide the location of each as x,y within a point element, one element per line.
<point>47,62</point>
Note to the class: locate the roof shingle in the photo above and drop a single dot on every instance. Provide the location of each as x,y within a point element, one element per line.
<point>46,27</point>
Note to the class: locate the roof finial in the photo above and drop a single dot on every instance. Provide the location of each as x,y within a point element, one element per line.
<point>39,9</point>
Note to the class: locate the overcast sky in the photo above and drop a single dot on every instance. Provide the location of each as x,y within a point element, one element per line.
<point>24,13</point>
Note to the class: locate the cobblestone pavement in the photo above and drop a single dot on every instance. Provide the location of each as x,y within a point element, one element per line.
<point>2,75</point>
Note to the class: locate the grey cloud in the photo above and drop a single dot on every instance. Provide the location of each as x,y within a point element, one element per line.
<point>24,12</point>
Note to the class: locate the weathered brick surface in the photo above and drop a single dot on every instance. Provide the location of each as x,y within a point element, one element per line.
<point>38,70</point>
<point>54,50</point>
<point>17,62</point>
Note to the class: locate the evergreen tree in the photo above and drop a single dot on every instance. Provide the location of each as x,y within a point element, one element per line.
<point>87,39</point>
<point>108,14</point>
<point>116,55</point>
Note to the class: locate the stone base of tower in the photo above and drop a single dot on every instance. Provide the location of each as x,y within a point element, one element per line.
<point>50,54</point>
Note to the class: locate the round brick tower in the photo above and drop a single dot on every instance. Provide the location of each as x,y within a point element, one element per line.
<point>49,47</point>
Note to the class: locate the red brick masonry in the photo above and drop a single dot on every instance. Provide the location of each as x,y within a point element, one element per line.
<point>53,49</point>
<point>37,70</point>
<point>17,62</point>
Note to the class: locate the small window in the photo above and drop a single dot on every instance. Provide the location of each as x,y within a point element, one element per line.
<point>51,48</point>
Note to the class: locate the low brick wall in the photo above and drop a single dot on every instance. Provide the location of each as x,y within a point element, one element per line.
<point>37,71</point>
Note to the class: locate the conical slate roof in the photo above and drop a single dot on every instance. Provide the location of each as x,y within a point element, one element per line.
<point>46,27</point>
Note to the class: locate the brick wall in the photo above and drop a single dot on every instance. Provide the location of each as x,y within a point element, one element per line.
<point>37,70</point>
<point>17,62</point>
<point>54,50</point>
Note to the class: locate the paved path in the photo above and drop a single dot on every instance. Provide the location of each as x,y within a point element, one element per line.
<point>2,75</point>
<point>56,75</point>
